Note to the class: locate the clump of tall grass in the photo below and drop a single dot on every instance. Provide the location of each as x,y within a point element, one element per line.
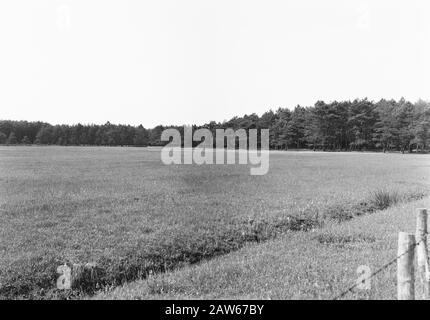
<point>383,199</point>
<point>377,200</point>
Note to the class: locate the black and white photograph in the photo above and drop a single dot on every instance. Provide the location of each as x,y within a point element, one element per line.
<point>213,156</point>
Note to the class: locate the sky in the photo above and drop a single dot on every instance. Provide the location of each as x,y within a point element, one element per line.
<point>193,61</point>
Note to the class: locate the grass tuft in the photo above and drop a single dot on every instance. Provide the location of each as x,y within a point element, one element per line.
<point>383,199</point>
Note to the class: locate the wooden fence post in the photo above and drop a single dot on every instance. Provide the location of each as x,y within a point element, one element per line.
<point>405,267</point>
<point>422,253</point>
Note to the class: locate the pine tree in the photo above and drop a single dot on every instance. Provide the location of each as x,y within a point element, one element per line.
<point>25,140</point>
<point>12,139</point>
<point>3,138</point>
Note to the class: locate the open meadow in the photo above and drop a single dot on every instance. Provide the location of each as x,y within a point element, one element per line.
<point>130,215</point>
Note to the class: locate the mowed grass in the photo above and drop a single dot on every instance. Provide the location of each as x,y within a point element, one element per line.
<point>132,215</point>
<point>307,265</point>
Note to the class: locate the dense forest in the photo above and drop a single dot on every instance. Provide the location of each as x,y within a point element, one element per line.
<point>348,125</point>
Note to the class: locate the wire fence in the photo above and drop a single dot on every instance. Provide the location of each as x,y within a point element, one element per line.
<point>379,270</point>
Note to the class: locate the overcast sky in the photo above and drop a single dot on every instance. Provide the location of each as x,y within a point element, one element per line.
<point>192,61</point>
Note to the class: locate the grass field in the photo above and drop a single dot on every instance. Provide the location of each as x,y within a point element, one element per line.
<point>130,214</point>
<point>306,265</point>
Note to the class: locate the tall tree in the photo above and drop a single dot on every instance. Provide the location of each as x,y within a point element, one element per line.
<point>141,137</point>
<point>12,138</point>
<point>25,140</point>
<point>3,138</point>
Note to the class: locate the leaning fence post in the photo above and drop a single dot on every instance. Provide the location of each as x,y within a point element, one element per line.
<point>405,267</point>
<point>422,253</point>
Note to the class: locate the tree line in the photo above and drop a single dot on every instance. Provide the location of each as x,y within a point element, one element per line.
<point>349,125</point>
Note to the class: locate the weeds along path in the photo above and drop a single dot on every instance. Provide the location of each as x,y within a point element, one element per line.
<point>37,277</point>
